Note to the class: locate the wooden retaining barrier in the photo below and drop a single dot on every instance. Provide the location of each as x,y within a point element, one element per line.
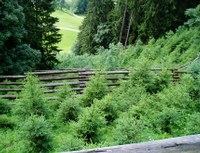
<point>75,78</point>
<point>186,144</point>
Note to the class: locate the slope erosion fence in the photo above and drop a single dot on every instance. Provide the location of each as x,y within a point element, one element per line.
<point>51,80</point>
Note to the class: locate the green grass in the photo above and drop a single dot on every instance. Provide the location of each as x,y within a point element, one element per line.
<point>67,20</point>
<point>68,38</point>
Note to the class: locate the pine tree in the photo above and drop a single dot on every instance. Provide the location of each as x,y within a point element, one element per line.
<point>125,18</point>
<point>41,32</point>
<point>96,15</point>
<point>15,56</point>
<point>80,6</point>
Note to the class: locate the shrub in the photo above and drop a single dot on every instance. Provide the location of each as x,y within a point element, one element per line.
<point>96,89</point>
<point>176,96</point>
<point>152,81</point>
<point>10,142</point>
<point>31,100</point>
<point>68,110</point>
<point>6,122</point>
<point>194,68</point>
<point>89,124</point>
<point>4,107</point>
<point>158,81</point>
<point>168,121</point>
<point>193,124</point>
<point>108,108</point>
<point>125,96</point>
<point>64,93</point>
<point>67,142</point>
<point>193,85</point>
<point>36,133</point>
<point>128,129</point>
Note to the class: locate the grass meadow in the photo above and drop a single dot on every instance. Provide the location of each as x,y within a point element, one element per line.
<point>67,20</point>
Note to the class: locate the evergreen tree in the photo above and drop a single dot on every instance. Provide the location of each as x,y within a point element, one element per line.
<point>96,15</point>
<point>15,56</point>
<point>41,32</point>
<point>125,18</point>
<point>80,6</point>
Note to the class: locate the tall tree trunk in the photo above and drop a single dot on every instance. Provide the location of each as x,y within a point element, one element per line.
<point>123,23</point>
<point>129,27</point>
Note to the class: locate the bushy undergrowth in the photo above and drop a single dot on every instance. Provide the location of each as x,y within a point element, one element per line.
<point>89,125</point>
<point>68,110</point>
<point>32,100</point>
<point>172,50</point>
<point>133,112</point>
<point>96,88</point>
<point>36,133</point>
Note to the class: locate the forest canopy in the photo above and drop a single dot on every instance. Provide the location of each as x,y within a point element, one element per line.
<point>126,21</point>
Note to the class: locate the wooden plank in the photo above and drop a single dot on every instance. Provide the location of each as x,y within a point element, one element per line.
<point>111,79</point>
<point>61,84</point>
<point>8,96</point>
<point>56,90</point>
<point>176,77</point>
<point>182,72</point>
<point>186,144</point>
<point>161,69</point>
<point>61,78</point>
<point>105,73</point>
<point>108,84</point>
<point>55,72</point>
<point>12,76</point>
<point>113,84</point>
<point>65,69</point>
<point>10,90</point>
<point>11,83</point>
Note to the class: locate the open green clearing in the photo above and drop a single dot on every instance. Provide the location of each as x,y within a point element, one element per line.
<point>67,20</point>
<point>68,38</point>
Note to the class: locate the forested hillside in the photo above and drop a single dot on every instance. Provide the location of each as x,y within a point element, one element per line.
<point>126,21</point>
<point>115,35</point>
<point>172,50</point>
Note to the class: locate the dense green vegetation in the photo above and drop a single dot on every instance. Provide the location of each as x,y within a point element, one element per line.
<point>75,6</point>
<point>126,21</point>
<point>94,26</point>
<point>139,110</point>
<point>79,6</point>
<point>118,34</point>
<point>172,50</point>
<point>16,56</point>
<point>28,36</point>
<point>145,107</point>
<point>42,35</point>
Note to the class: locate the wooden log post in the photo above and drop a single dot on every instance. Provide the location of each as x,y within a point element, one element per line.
<point>186,144</point>
<point>175,75</point>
